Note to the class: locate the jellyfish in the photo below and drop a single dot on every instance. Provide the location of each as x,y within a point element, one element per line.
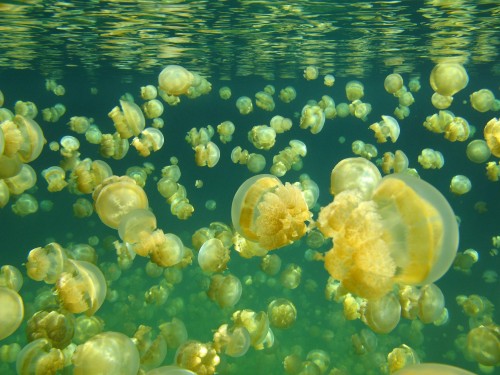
<point>107,353</point>
<point>492,136</point>
<point>482,100</point>
<point>129,121</point>
<point>175,80</point>
<point>12,312</point>
<point>387,128</point>
<point>409,232</point>
<point>117,196</point>
<point>268,212</point>
<point>282,313</point>
<point>448,78</point>
<point>393,83</point>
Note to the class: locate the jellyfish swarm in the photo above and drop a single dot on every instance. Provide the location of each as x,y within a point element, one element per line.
<point>399,230</point>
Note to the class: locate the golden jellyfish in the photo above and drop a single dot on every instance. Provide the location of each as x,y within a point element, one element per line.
<point>382,314</point>
<point>264,101</point>
<point>483,343</point>
<point>342,110</point>
<point>11,313</point>
<point>359,109</point>
<point>477,151</point>
<point>46,263</point>
<point>387,128</point>
<point>213,256</point>
<point>354,90</point>
<point>117,196</point>
<point>457,130</point>
<point>79,124</point>
<point>354,173</point>
<point>152,108</point>
<point>370,268</point>
<point>262,137</point>
<point>81,287</point>
<point>107,353</point>
<point>88,174</point>
<point>431,369</point>
<point>329,80</point>
<point>11,277</point>
<point>57,327</point>
<point>268,212</point>
<point>405,98</point>
<point>256,162</point>
<point>225,130</point>
<point>22,181</point>
<point>282,313</point>
<point>430,159</point>
<point>39,357</point>
<point>136,225</point>
<point>291,276</point>
<point>401,357</point>
<point>26,109</point>
<point>225,290</point>
<point>152,350</point>
<point>196,356</point>
<point>244,105</point>
<point>175,80</point>
<point>232,341</point>
<point>430,304</point>
<point>460,184</point>
<point>448,78</point>
<point>225,93</point>
<point>129,121</point>
<point>150,139</point>
<point>256,323</point>
<point>165,249</point>
<point>312,117</point>
<point>393,83</point>
<point>148,92</point>
<point>26,204</point>
<point>207,155</point>
<point>492,136</point>
<point>271,264</point>
<point>311,73</point>
<point>32,138</point>
<point>55,177</point>
<point>482,100</point>
<point>288,94</point>
<point>440,101</point>
<point>93,135</point>
<point>174,332</point>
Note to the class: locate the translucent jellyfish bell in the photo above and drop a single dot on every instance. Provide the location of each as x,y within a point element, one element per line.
<point>213,256</point>
<point>382,315</point>
<point>136,224</point>
<point>81,287</point>
<point>354,173</point>
<point>116,197</point>
<point>448,78</point>
<point>108,353</point>
<point>11,313</point>
<point>431,369</point>
<point>387,128</point>
<point>175,80</point>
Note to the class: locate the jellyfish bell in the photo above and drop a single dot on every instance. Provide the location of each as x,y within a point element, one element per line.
<point>427,224</point>
<point>432,369</point>
<point>393,83</point>
<point>170,370</point>
<point>213,256</point>
<point>136,224</point>
<point>107,353</point>
<point>117,196</point>
<point>11,313</point>
<point>175,80</point>
<point>448,78</point>
<point>354,173</point>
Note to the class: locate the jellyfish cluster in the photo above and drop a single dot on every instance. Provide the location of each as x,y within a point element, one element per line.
<point>261,249</point>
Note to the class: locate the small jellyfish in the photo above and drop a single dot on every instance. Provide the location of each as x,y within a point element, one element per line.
<point>478,151</point>
<point>387,128</point>
<point>460,185</point>
<point>213,256</point>
<point>175,80</point>
<point>11,313</point>
<point>282,313</point>
<point>448,78</point>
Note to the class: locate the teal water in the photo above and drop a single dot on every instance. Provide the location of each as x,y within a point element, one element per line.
<point>118,47</point>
